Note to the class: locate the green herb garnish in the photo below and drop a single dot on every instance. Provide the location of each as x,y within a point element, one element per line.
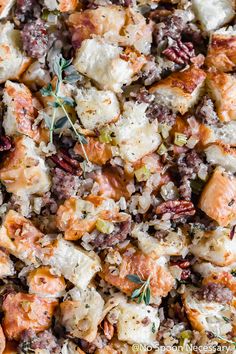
<point>143,294</point>
<point>225,340</point>
<point>65,73</point>
<point>226,319</point>
<point>153,327</point>
<point>233,272</point>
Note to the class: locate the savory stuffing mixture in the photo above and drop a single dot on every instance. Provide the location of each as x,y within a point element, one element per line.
<point>117,176</point>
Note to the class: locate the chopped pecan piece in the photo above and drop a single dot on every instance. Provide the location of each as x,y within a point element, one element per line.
<point>108,329</point>
<point>62,160</point>
<point>180,53</point>
<point>176,208</point>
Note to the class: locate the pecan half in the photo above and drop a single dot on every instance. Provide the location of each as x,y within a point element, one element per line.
<point>108,329</point>
<point>182,263</point>
<point>66,163</point>
<point>180,53</point>
<point>5,143</point>
<point>176,208</point>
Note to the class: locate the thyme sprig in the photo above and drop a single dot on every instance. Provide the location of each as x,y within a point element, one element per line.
<point>65,73</point>
<point>143,294</point>
<point>225,339</point>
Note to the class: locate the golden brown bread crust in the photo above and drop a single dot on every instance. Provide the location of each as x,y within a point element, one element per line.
<point>98,153</point>
<point>184,82</point>
<point>42,281</point>
<point>67,5</point>
<point>222,88</point>
<point>222,52</point>
<point>142,265</point>
<point>96,22</point>
<point>218,198</point>
<point>23,311</point>
<point>23,108</point>
<point>224,278</point>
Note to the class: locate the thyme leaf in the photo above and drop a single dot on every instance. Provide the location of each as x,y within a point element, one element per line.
<point>62,68</point>
<point>142,294</point>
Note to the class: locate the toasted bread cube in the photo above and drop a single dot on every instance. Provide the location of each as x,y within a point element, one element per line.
<point>223,278</point>
<point>5,7</point>
<point>73,263</point>
<point>36,76</point>
<point>43,282</point>
<point>134,134</point>
<point>222,50</point>
<point>97,152</point>
<point>13,62</point>
<point>174,244</point>
<point>143,265</point>
<point>77,216</point>
<point>218,199</point>
<point>180,90</point>
<point>99,21</point>
<point>129,29</point>
<point>23,311</point>
<point>112,184</point>
<point>215,246</point>
<point>222,89</point>
<point>61,5</point>
<point>70,347</point>
<point>20,238</point>
<point>82,315</point>
<point>223,134</point>
<point>213,14</point>
<point>6,266</point>
<point>96,108</point>
<point>221,155</point>
<point>106,64</point>
<point>130,327</point>
<point>23,171</point>
<point>21,110</point>
<point>206,316</point>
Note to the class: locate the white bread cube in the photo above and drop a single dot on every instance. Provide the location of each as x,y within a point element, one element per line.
<point>5,7</point>
<point>134,135</point>
<point>206,316</point>
<point>6,265</point>
<point>222,88</point>
<point>223,134</point>
<point>218,197</point>
<point>130,327</point>
<point>13,61</point>
<point>36,76</point>
<point>23,171</point>
<point>22,239</point>
<point>221,52</point>
<point>174,244</point>
<point>61,5</point>
<point>129,28</point>
<point>82,314</point>
<point>73,263</point>
<point>96,108</point>
<point>21,112</point>
<point>215,246</point>
<point>213,14</point>
<point>103,63</point>
<point>180,90</point>
<point>221,155</point>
